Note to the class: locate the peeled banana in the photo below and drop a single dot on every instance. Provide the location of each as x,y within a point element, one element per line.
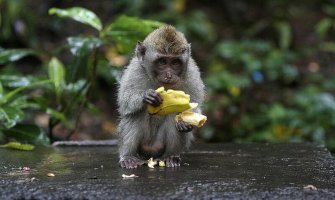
<point>174,101</point>
<point>192,118</point>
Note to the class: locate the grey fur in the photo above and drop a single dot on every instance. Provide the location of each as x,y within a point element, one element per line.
<point>137,125</point>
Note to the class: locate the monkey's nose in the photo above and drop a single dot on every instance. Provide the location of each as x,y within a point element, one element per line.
<point>168,75</point>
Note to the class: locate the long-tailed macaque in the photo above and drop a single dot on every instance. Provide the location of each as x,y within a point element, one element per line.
<point>162,59</point>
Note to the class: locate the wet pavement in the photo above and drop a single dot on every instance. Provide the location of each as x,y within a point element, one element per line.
<point>211,171</point>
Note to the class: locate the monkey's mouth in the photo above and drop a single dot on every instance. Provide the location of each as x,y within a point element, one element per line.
<point>168,81</point>
<point>169,85</point>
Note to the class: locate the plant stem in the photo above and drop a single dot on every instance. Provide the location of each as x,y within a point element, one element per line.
<point>89,85</point>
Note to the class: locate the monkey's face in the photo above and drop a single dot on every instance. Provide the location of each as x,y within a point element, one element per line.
<point>168,70</point>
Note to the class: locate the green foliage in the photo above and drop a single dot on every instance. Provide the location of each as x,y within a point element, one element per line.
<point>12,55</point>
<point>126,31</point>
<point>78,14</point>
<point>65,87</point>
<point>80,46</point>
<point>25,133</point>
<point>269,79</point>
<point>252,87</point>
<point>56,75</point>
<point>285,35</point>
<point>12,102</point>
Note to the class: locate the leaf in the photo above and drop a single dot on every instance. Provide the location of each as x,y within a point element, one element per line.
<point>125,31</point>
<point>285,35</point>
<point>11,55</point>
<point>1,91</point>
<point>12,93</point>
<point>78,86</point>
<point>18,146</point>
<point>57,74</point>
<point>21,103</point>
<point>26,133</point>
<point>82,45</point>
<point>323,26</point>
<point>10,116</point>
<point>15,80</point>
<point>79,14</point>
<point>276,112</point>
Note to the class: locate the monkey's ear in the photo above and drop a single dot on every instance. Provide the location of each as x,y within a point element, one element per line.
<point>140,50</point>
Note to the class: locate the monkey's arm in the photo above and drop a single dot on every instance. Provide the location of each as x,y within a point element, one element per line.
<point>194,86</point>
<point>135,91</point>
<point>131,91</point>
<point>130,102</point>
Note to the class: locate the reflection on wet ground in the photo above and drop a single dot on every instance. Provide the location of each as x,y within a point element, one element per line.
<point>207,171</point>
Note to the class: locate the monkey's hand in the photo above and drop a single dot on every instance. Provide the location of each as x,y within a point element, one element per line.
<point>152,97</point>
<point>183,127</point>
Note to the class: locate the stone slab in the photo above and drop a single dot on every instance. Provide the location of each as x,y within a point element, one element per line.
<point>208,171</point>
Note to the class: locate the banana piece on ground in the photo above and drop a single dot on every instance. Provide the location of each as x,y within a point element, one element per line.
<point>174,101</point>
<point>152,163</point>
<point>192,118</point>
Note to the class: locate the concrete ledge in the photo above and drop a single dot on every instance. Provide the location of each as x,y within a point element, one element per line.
<point>208,171</point>
<point>85,143</point>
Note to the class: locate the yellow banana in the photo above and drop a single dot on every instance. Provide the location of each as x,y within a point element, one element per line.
<point>192,118</point>
<point>174,101</point>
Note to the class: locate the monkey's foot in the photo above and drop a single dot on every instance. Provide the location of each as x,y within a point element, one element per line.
<point>131,162</point>
<point>172,161</point>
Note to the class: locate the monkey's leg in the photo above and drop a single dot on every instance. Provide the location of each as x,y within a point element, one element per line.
<point>176,142</point>
<point>129,142</point>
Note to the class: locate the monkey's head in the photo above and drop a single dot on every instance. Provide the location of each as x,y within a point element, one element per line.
<point>164,54</point>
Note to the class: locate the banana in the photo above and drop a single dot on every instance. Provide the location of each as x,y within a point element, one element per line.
<point>192,118</point>
<point>174,101</point>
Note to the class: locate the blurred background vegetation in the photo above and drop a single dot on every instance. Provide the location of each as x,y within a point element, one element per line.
<point>268,66</point>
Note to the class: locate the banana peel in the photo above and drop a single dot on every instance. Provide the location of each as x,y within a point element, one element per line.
<point>174,101</point>
<point>192,118</point>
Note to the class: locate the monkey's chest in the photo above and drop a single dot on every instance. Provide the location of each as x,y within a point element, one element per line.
<point>151,150</point>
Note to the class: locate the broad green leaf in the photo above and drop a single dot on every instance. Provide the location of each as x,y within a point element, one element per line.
<point>57,74</point>
<point>21,102</point>
<point>77,87</point>
<point>25,133</point>
<point>11,55</point>
<point>12,93</point>
<point>10,116</point>
<point>82,45</point>
<point>125,31</point>
<point>18,146</point>
<point>79,14</point>
<point>323,26</point>
<point>15,80</point>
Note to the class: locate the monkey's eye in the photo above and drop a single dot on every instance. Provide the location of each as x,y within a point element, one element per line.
<point>176,63</point>
<point>162,61</point>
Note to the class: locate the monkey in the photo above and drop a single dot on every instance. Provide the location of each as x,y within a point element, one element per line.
<point>162,59</point>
